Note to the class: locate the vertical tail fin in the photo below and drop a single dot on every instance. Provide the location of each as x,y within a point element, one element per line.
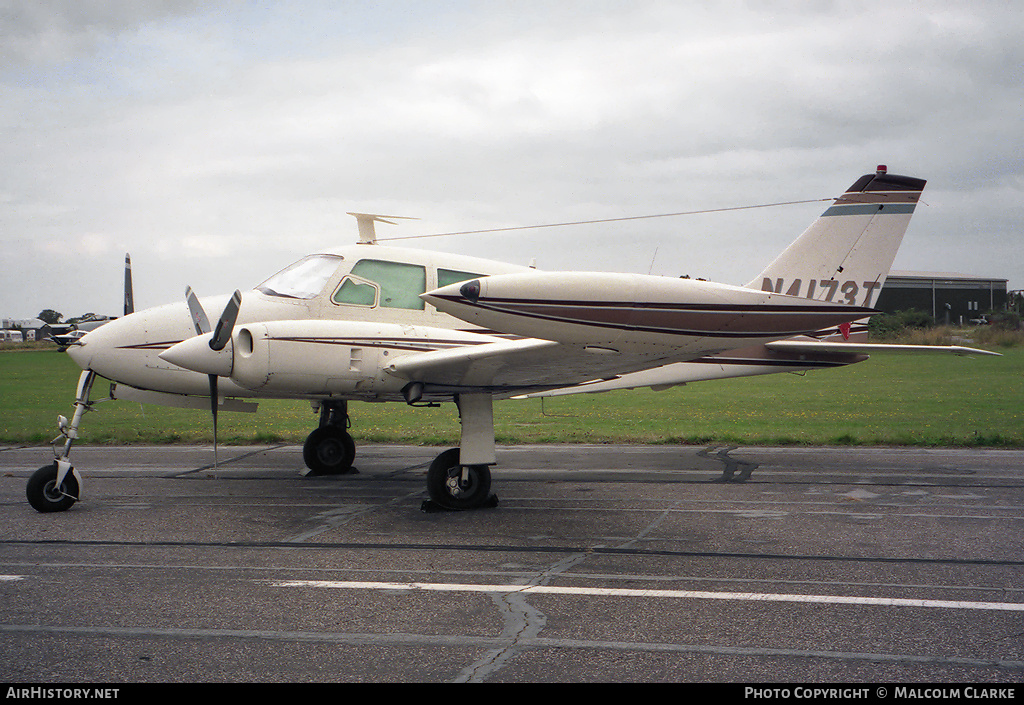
<point>129,296</point>
<point>845,255</point>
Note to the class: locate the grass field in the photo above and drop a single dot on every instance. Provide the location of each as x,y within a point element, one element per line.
<point>924,400</point>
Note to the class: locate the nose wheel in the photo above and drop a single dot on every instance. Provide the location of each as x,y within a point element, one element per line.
<point>48,494</point>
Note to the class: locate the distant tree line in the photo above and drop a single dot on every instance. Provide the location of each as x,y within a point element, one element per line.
<point>888,325</point>
<point>48,315</point>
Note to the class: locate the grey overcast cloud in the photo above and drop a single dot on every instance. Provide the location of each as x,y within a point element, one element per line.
<point>219,141</point>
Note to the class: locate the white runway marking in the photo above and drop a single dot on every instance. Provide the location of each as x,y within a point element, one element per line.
<point>664,594</point>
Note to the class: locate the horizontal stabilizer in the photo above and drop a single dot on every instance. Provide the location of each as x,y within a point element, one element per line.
<point>809,346</point>
<point>792,355</point>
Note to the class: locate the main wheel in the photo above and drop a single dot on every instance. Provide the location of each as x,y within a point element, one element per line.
<point>455,486</point>
<point>45,495</point>
<point>329,450</point>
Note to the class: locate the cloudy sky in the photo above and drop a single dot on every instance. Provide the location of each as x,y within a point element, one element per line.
<point>218,141</point>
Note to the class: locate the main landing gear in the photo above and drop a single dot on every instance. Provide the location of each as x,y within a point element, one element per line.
<point>57,486</point>
<point>460,478</point>
<point>452,485</point>
<point>329,449</point>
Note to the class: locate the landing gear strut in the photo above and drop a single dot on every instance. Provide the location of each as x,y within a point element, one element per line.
<point>57,486</point>
<point>329,449</point>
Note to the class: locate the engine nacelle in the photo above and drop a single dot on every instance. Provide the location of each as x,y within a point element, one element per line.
<point>319,357</point>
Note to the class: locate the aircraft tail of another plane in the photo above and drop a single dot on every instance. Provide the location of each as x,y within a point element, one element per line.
<point>845,255</point>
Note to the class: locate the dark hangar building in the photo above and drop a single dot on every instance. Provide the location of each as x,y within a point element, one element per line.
<point>947,296</point>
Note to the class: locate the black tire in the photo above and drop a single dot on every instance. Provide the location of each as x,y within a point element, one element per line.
<point>446,487</point>
<point>329,450</point>
<point>45,496</point>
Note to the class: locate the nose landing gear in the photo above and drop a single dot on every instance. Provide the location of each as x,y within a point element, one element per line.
<point>57,486</point>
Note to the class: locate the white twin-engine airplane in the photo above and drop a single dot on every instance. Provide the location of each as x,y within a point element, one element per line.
<point>375,323</point>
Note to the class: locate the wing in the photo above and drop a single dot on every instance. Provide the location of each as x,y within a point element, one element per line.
<point>512,367</point>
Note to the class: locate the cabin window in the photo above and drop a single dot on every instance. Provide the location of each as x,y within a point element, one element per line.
<point>302,280</point>
<point>390,284</point>
<point>355,292</point>
<point>451,276</point>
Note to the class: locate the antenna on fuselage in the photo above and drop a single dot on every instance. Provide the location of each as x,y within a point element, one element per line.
<point>367,234</point>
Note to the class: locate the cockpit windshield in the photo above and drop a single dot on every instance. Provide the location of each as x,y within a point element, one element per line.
<point>304,279</point>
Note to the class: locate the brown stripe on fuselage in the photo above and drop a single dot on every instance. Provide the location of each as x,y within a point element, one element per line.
<point>162,345</point>
<point>713,320</point>
<point>413,344</point>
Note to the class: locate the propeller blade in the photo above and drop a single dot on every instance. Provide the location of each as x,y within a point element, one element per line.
<point>226,324</point>
<point>199,319</point>
<point>129,297</point>
<point>213,408</point>
<point>218,342</point>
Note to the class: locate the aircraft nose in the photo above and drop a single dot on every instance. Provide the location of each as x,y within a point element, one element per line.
<point>79,353</point>
<point>98,344</point>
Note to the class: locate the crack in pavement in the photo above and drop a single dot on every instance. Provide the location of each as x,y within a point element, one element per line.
<point>523,622</point>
